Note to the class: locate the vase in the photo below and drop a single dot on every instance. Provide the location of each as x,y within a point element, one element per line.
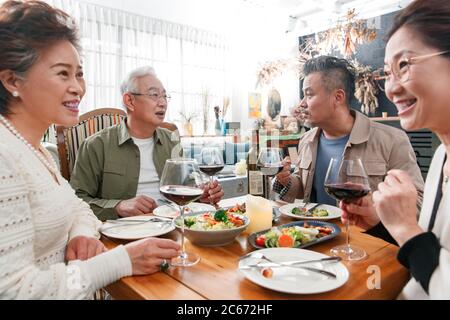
<point>217,127</point>
<point>188,129</point>
<point>223,128</point>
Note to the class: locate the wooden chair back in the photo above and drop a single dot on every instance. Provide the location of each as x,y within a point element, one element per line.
<point>69,139</point>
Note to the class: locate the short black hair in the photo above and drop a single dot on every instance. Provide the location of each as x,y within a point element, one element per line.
<point>336,74</point>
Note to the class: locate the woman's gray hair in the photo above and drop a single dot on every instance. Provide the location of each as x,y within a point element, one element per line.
<point>129,84</point>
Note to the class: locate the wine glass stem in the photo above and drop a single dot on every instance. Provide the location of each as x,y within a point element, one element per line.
<point>183,248</point>
<point>347,231</point>
<point>211,183</point>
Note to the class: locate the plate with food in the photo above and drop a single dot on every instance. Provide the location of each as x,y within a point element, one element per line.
<point>172,211</point>
<point>292,279</point>
<point>299,234</point>
<point>212,228</point>
<point>312,211</point>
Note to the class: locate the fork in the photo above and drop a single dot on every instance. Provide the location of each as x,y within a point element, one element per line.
<point>310,209</point>
<point>304,205</point>
<point>134,221</point>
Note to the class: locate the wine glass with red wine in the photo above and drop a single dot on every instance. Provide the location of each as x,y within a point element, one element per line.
<point>270,161</point>
<point>211,161</point>
<point>181,183</point>
<point>347,181</point>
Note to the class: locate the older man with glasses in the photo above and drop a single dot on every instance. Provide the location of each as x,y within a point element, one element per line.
<point>117,170</point>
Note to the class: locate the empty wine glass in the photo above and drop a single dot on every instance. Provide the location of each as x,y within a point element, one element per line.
<point>347,180</point>
<point>181,183</point>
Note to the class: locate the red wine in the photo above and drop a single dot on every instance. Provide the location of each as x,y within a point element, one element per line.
<point>211,170</point>
<point>271,169</point>
<point>181,195</point>
<point>346,191</point>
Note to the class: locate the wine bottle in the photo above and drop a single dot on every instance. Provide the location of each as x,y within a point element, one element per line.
<point>254,174</point>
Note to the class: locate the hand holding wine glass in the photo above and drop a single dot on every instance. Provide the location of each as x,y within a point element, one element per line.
<point>347,180</point>
<point>284,176</point>
<point>211,162</point>
<point>181,183</point>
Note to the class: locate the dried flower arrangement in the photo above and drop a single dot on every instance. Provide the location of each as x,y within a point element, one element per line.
<point>188,117</point>
<point>226,104</point>
<point>346,35</point>
<point>307,50</point>
<point>270,70</point>
<point>343,37</point>
<point>365,88</point>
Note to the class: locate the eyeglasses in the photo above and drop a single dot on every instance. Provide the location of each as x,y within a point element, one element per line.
<point>400,69</point>
<point>154,96</point>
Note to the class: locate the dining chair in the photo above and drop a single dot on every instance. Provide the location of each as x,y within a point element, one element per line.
<point>168,125</point>
<point>69,139</point>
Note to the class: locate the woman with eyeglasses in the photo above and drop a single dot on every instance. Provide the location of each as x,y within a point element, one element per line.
<point>49,247</point>
<point>417,77</point>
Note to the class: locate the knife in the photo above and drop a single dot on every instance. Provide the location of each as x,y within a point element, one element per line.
<point>297,262</point>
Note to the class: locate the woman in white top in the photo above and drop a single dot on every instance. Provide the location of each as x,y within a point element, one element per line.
<point>416,79</point>
<point>43,224</point>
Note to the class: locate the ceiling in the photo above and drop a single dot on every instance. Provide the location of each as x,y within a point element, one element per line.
<point>306,16</point>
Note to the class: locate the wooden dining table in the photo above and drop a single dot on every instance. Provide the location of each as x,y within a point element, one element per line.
<point>216,276</point>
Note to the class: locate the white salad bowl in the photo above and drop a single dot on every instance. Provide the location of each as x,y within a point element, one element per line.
<point>211,238</point>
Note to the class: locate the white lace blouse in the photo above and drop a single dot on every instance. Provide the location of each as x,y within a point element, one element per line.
<point>37,219</point>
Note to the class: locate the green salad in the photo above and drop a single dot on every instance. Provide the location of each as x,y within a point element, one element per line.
<point>307,213</point>
<point>293,236</point>
<point>219,220</point>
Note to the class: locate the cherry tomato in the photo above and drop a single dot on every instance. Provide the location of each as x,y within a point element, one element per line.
<point>261,241</point>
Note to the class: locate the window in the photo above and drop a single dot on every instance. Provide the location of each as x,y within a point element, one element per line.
<point>188,61</point>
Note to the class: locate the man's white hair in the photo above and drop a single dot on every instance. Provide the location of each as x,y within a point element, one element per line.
<point>129,84</point>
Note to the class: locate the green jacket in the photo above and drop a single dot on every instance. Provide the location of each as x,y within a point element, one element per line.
<point>107,166</point>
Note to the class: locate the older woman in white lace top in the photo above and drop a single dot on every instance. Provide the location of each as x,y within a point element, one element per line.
<point>49,247</point>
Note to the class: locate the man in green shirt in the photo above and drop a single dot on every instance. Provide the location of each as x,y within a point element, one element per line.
<point>117,170</point>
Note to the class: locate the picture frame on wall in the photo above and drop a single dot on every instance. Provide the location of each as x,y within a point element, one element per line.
<point>254,105</point>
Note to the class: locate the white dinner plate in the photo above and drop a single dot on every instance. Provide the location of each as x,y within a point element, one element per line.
<point>333,212</point>
<point>293,280</point>
<point>136,230</point>
<point>170,212</point>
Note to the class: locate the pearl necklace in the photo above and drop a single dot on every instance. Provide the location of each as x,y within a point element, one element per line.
<point>44,159</point>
